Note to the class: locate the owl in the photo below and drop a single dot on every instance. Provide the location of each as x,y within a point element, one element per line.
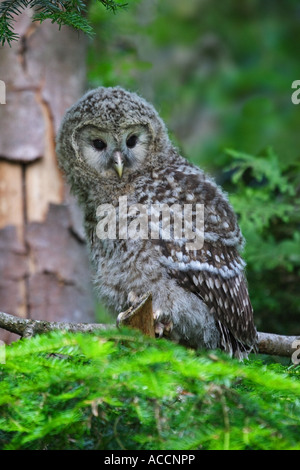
<point>121,165</point>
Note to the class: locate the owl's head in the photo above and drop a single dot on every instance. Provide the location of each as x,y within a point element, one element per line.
<point>112,131</point>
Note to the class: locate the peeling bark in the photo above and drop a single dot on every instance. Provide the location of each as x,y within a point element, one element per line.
<point>140,317</point>
<point>44,269</point>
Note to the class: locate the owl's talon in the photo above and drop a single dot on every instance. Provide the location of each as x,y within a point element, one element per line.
<point>159,330</point>
<point>134,299</point>
<point>163,329</point>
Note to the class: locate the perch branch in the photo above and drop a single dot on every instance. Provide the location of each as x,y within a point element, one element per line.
<point>276,345</point>
<point>27,328</point>
<point>141,318</point>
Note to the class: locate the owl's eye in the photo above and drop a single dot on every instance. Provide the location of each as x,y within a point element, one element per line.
<point>99,144</point>
<point>131,141</point>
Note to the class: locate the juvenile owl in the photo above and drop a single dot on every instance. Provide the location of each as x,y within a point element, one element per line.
<point>155,222</point>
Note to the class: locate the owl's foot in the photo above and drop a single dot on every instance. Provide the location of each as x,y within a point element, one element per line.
<point>162,328</point>
<point>133,299</point>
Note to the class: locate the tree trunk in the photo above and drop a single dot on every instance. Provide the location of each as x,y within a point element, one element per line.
<point>44,272</point>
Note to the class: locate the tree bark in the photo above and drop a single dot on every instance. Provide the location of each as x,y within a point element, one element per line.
<point>44,269</point>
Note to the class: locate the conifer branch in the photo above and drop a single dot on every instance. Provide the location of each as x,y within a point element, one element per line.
<point>63,12</point>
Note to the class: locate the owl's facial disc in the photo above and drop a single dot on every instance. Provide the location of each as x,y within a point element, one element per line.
<point>112,151</point>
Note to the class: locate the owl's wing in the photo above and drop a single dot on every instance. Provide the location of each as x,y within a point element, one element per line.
<point>217,278</point>
<point>215,272</point>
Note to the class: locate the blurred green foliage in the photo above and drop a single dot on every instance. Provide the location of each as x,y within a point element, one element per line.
<point>267,198</point>
<point>120,390</point>
<point>220,74</point>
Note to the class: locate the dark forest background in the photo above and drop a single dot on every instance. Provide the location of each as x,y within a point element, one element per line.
<point>221,74</point>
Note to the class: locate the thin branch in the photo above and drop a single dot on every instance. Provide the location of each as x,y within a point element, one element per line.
<point>27,328</point>
<point>276,345</point>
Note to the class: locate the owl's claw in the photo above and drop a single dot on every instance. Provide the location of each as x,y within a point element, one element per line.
<point>163,329</point>
<point>134,299</point>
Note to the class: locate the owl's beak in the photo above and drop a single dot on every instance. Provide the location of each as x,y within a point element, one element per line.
<point>118,164</point>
